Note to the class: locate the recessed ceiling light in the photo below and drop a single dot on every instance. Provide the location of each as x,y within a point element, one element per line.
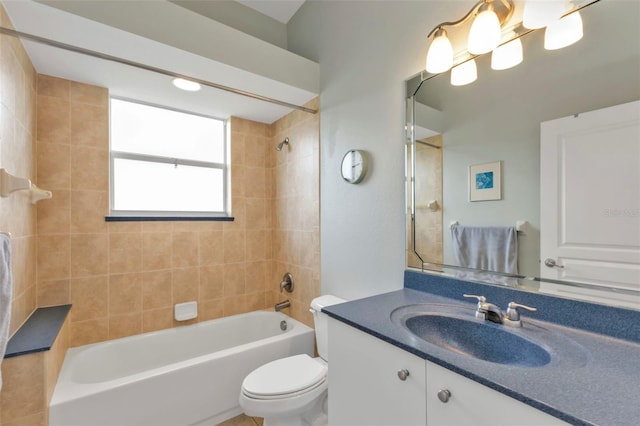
<point>190,86</point>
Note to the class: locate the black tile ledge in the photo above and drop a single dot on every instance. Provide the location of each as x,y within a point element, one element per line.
<point>38,332</point>
<point>169,218</point>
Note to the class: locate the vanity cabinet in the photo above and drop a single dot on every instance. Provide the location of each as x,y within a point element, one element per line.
<point>364,386</point>
<point>369,385</point>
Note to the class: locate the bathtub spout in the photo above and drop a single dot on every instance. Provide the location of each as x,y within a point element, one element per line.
<point>282,305</point>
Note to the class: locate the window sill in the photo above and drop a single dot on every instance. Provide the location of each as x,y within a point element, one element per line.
<point>169,219</point>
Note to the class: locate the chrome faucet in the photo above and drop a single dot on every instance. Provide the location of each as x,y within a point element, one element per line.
<point>490,312</point>
<point>282,305</point>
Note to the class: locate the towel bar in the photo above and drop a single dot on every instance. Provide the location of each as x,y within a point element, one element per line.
<point>520,225</point>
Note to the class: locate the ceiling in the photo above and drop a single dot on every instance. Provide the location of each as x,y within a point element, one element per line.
<point>280,10</point>
<point>132,83</point>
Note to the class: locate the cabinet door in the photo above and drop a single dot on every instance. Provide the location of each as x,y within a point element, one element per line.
<point>364,387</point>
<point>474,404</point>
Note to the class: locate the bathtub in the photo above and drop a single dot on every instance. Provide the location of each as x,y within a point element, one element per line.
<point>187,375</point>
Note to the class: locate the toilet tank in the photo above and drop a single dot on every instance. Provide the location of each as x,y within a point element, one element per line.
<point>321,322</point>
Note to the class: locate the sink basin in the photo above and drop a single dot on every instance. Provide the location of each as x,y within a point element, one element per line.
<point>486,341</point>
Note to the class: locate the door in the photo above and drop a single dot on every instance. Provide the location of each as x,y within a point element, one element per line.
<point>590,198</point>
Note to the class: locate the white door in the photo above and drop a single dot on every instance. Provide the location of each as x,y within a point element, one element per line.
<point>590,198</point>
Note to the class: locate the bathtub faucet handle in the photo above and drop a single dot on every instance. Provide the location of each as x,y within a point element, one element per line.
<point>287,283</point>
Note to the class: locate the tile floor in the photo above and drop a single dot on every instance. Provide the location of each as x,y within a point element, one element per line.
<point>242,420</point>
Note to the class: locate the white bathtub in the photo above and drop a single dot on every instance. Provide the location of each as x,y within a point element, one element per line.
<point>187,375</point>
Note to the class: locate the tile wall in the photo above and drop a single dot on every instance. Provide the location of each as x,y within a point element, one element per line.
<point>124,278</point>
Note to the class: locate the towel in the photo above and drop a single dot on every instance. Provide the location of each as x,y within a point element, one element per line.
<point>5,294</point>
<point>490,248</point>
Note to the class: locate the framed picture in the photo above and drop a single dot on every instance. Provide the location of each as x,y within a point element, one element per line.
<point>485,181</point>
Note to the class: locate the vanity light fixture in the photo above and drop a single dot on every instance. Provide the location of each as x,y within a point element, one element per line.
<point>507,55</point>
<point>189,86</point>
<point>484,35</point>
<point>563,32</point>
<point>488,18</point>
<point>465,73</point>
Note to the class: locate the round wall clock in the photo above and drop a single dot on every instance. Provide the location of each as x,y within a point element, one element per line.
<point>354,166</point>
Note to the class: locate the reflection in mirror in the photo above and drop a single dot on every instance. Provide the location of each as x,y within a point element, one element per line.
<point>498,118</point>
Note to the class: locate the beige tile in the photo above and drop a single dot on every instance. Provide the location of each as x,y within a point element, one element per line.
<point>125,325</point>
<point>257,242</point>
<point>89,168</point>
<point>156,290</point>
<point>119,227</point>
<point>210,309</point>
<point>211,248</point>
<point>256,151</point>
<point>256,278</point>
<point>88,209</point>
<point>157,319</point>
<point>53,120</point>
<point>211,282</point>
<point>234,279</point>
<point>234,246</point>
<point>37,419</point>
<point>156,251</point>
<point>54,214</point>
<point>53,257</point>
<point>53,86</point>
<point>256,216</point>
<point>23,376</point>
<point>88,254</point>
<point>125,252</point>
<point>254,181</point>
<point>89,298</point>
<point>125,294</point>
<point>91,331</point>
<point>185,249</point>
<point>241,420</point>
<point>88,94</point>
<point>185,285</point>
<point>54,166</point>
<point>237,148</point>
<point>90,125</point>
<point>51,293</point>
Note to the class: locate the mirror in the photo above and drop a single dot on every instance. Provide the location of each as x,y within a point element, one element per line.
<point>497,118</point>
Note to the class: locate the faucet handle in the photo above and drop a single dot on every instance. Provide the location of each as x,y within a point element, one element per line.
<point>512,311</point>
<point>481,299</point>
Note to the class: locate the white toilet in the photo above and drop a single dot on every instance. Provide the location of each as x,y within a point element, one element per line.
<point>292,391</point>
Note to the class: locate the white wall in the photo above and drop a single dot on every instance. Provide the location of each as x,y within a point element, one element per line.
<point>366,50</point>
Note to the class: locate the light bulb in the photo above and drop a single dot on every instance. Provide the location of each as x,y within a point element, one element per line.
<point>465,73</point>
<point>485,31</point>
<point>540,13</point>
<point>440,54</point>
<point>189,86</point>
<point>507,56</point>
<point>563,32</point>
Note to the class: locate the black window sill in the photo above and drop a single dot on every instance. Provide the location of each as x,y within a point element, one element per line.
<point>38,332</point>
<point>169,218</point>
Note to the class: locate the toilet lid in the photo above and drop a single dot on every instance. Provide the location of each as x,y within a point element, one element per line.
<point>285,376</point>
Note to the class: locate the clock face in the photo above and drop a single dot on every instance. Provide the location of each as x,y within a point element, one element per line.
<point>354,166</point>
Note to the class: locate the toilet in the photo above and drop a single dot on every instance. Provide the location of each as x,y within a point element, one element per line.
<point>292,391</point>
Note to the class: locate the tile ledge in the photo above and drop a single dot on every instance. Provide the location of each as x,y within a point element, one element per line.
<point>38,332</point>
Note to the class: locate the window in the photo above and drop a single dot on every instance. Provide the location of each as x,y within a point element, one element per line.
<point>167,163</point>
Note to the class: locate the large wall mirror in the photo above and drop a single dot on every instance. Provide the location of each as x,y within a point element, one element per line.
<point>498,118</point>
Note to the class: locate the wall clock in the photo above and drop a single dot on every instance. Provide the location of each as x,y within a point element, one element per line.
<point>354,166</point>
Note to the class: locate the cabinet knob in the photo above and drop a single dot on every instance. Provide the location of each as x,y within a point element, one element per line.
<point>444,395</point>
<point>403,374</point>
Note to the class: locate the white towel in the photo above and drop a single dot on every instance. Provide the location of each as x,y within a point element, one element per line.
<point>5,294</point>
<point>490,248</point>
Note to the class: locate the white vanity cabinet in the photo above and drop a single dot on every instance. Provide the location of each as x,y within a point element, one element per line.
<point>470,403</point>
<point>366,387</point>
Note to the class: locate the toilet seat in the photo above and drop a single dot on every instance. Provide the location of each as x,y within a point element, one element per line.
<point>285,378</point>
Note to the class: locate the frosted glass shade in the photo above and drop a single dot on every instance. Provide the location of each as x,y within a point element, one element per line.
<point>540,13</point>
<point>464,73</point>
<point>506,56</point>
<point>189,86</point>
<point>485,31</point>
<point>563,32</point>
<point>440,53</point>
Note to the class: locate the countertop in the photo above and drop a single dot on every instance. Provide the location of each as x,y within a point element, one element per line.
<point>594,379</point>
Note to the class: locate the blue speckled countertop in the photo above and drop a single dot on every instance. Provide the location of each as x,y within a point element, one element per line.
<point>594,374</point>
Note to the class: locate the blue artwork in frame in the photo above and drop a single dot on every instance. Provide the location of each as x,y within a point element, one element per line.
<point>485,182</point>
